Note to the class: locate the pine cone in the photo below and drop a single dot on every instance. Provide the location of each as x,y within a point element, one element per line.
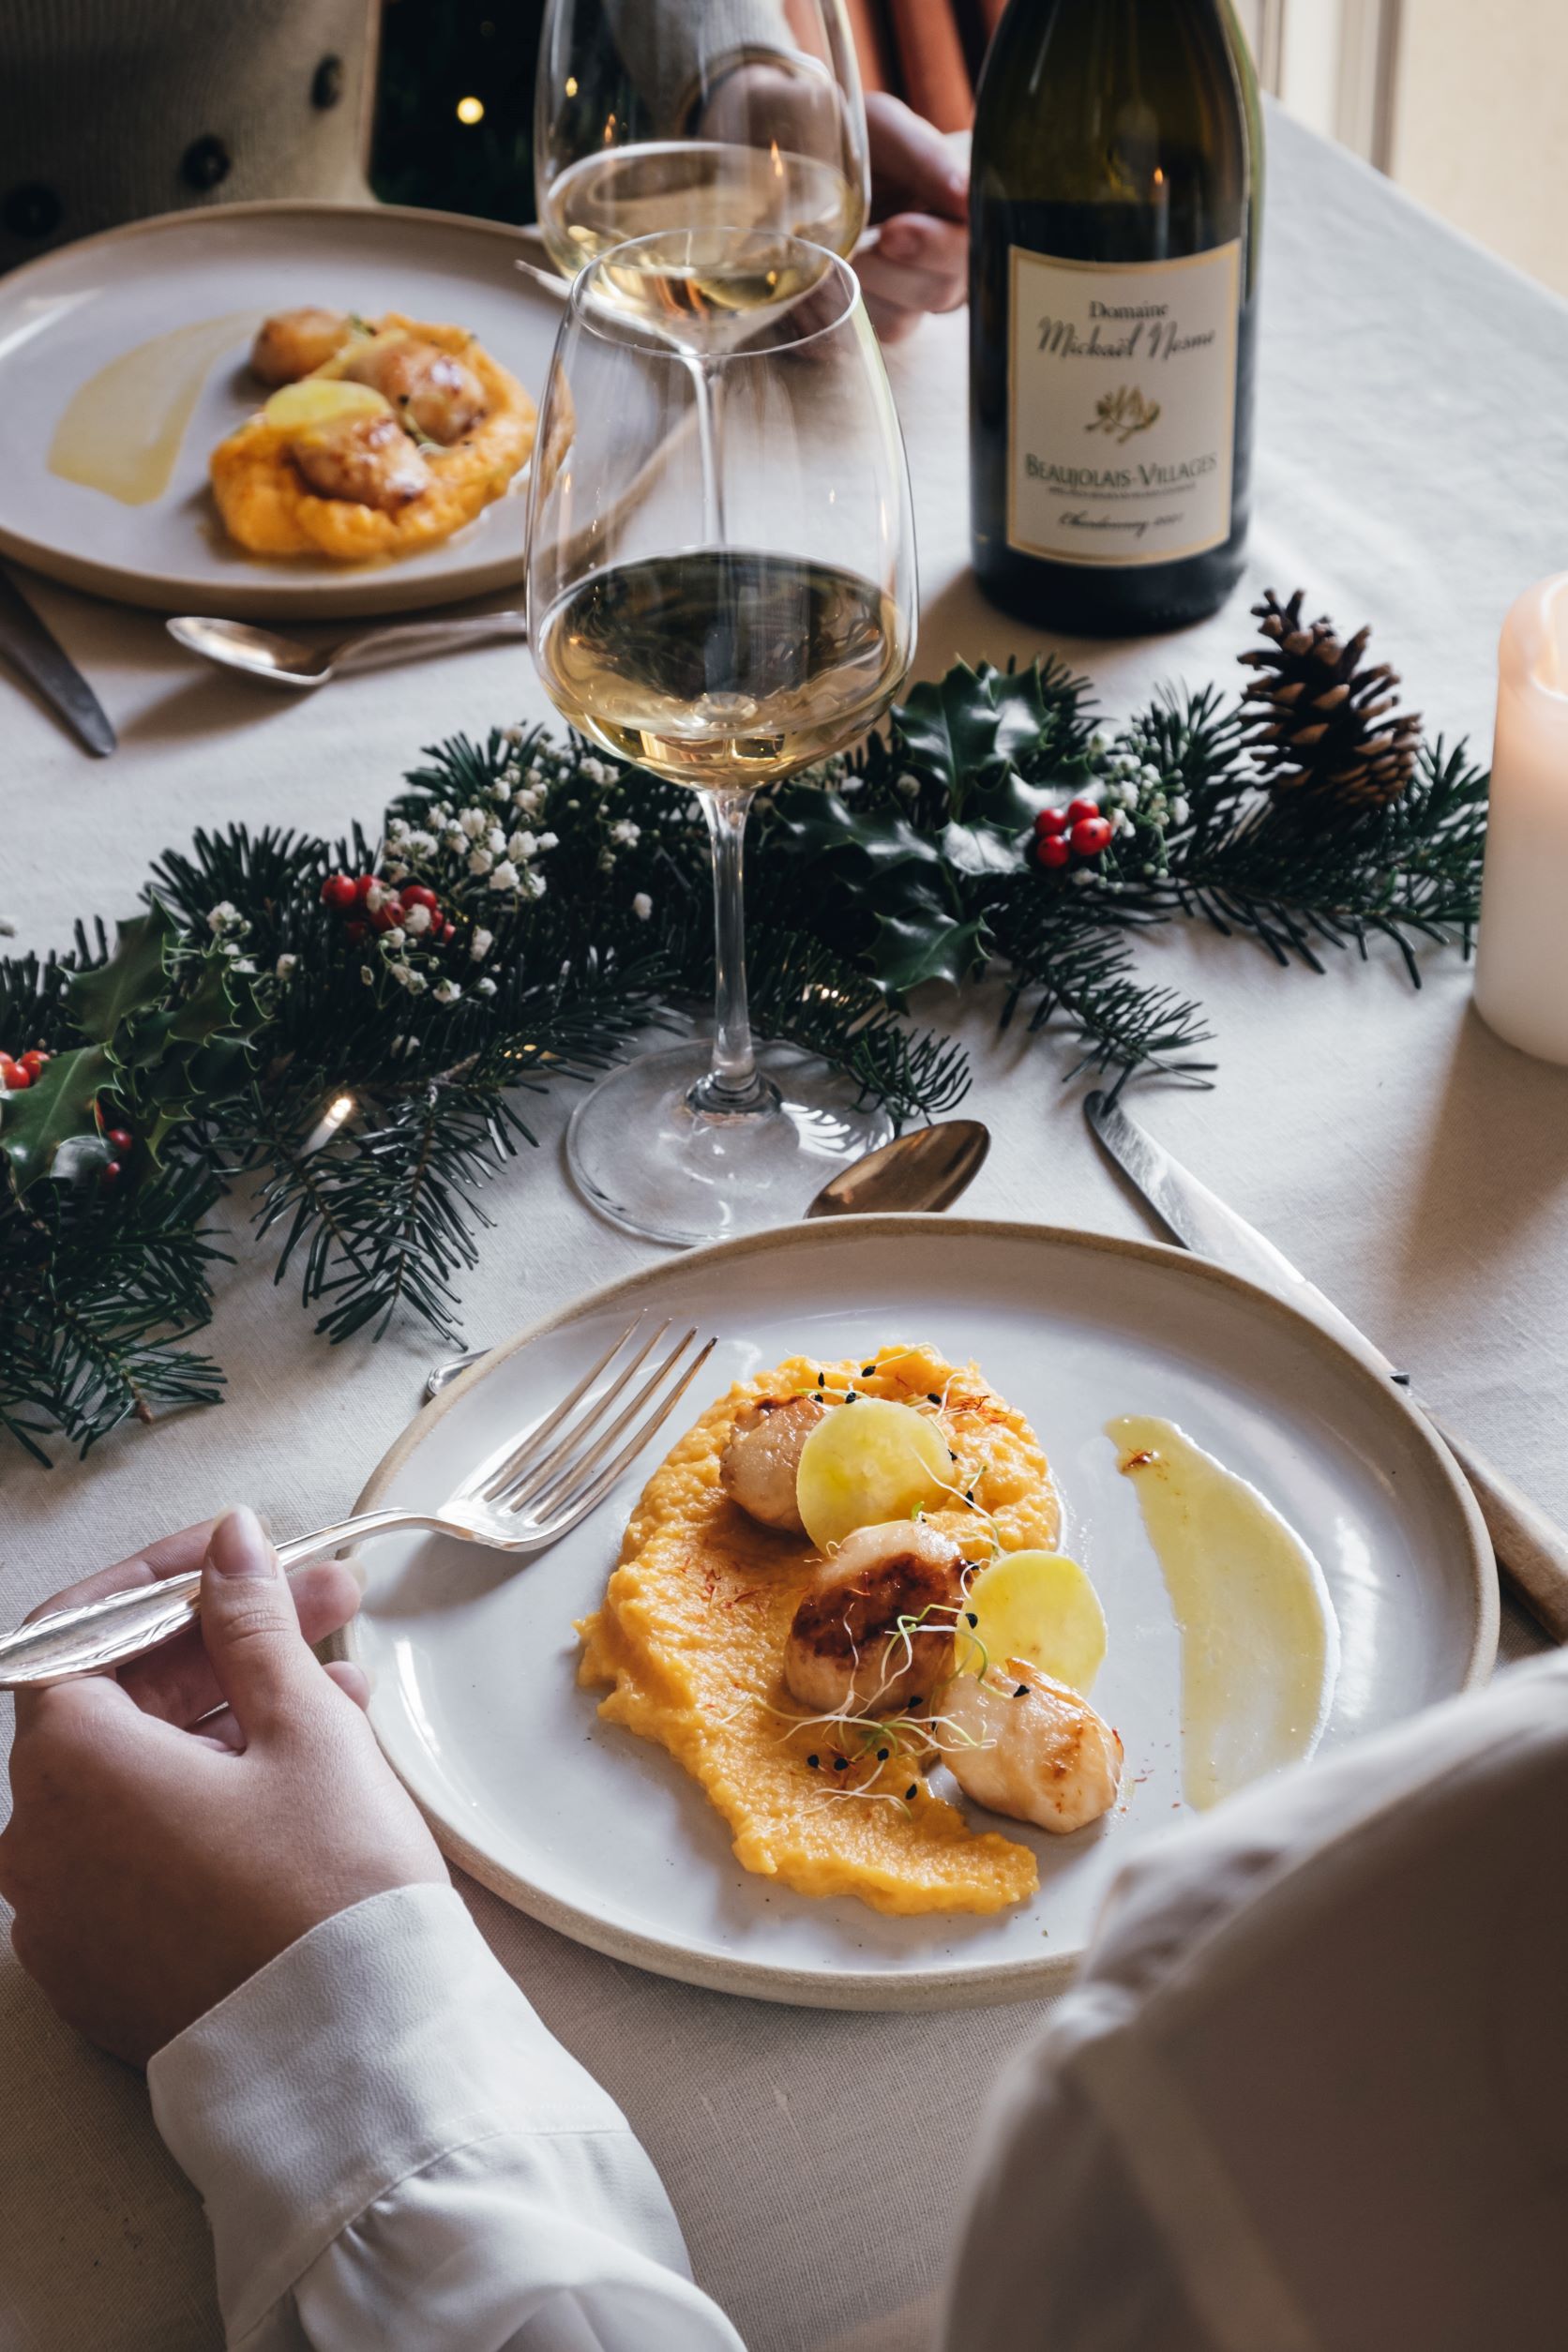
<point>1328,735</point>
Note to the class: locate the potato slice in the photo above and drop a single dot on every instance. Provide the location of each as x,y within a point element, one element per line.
<point>1041,1607</point>
<point>322,401</point>
<point>869,1462</point>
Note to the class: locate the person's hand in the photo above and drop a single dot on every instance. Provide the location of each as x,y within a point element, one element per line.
<point>917,258</point>
<point>160,1851</point>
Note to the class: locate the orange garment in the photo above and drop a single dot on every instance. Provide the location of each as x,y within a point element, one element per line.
<point>928,51</point>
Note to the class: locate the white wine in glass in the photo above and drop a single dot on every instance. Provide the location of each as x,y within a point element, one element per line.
<point>721,664</point>
<point>654,115</point>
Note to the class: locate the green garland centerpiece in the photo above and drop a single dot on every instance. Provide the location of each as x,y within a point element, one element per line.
<point>350,1032</point>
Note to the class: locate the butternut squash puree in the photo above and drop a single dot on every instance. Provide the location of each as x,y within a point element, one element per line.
<point>267,508</point>
<point>692,1636</point>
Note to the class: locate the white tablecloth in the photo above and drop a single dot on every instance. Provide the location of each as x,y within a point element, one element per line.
<point>1413,464</point>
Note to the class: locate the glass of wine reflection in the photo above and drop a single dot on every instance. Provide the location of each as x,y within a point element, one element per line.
<point>716,660</point>
<point>697,113</point>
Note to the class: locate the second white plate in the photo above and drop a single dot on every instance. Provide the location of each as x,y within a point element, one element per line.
<point>69,315</point>
<point>604,1836</point>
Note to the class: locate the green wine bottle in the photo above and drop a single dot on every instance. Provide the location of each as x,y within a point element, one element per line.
<point>1116,187</point>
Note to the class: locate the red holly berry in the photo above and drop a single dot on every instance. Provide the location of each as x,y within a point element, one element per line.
<point>13,1076</point>
<point>120,1140</point>
<point>390,911</point>
<point>1051,820</point>
<point>338,890</point>
<point>1090,836</point>
<point>363,887</point>
<point>446,934</point>
<point>355,931</point>
<point>110,1173</point>
<point>1051,850</point>
<point>418,894</point>
<point>1078,810</point>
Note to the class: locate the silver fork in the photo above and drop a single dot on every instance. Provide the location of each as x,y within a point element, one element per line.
<point>518,1500</point>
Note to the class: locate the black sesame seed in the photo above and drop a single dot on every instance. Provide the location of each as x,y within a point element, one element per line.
<point>932,1397</point>
<point>1023,1691</point>
<point>813,1762</point>
<point>973,1618</point>
<point>909,1790</point>
<point>841,1763</point>
<point>881,1755</point>
<point>867,1371</point>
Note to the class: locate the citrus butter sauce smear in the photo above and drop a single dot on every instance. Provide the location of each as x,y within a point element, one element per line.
<point>122,431</point>
<point>1260,1643</point>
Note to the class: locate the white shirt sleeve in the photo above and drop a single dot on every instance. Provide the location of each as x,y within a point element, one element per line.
<point>1309,2092</point>
<point>393,2151</point>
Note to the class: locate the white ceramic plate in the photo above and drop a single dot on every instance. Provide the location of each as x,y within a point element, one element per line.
<point>602,1835</point>
<point>68,315</point>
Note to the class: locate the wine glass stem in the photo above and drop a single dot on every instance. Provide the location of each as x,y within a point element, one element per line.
<point>708,386</point>
<point>733,1083</point>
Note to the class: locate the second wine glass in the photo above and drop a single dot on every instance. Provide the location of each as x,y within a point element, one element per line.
<point>719,662</point>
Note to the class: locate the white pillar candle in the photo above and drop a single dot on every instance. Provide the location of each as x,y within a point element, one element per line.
<point>1521,963</point>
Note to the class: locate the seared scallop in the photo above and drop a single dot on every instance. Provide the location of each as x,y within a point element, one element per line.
<point>876,1628</point>
<point>368,459</point>
<point>427,388</point>
<point>1021,1744</point>
<point>293,343</point>
<point>758,1466</point>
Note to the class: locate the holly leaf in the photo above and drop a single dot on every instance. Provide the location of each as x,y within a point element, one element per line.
<point>134,978</point>
<point>56,1109</point>
<point>904,954</point>
<point>971,730</point>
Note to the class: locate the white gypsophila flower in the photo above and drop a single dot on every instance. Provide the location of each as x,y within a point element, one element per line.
<point>376,896</point>
<point>446,992</point>
<point>642,906</point>
<point>548,841</point>
<point>285,967</point>
<point>625,830</point>
<point>532,882</point>
<point>242,963</point>
<point>479,861</point>
<point>366,975</point>
<point>473,821</point>
<point>484,988</point>
<point>1083,877</point>
<point>495,839</point>
<point>1180,808</point>
<point>1151,775</point>
<point>416,923</point>
<point>1150,870</point>
<point>1121,822</point>
<point>422,844</point>
<point>223,916</point>
<point>607,860</point>
<point>396,937</point>
<point>512,735</point>
<point>416,984</point>
<point>1099,743</point>
<point>596,771</point>
<point>521,847</point>
<point>454,839</point>
<point>480,941</point>
<point>398,829</point>
<point>534,774</point>
<point>501,790</point>
<point>230,947</point>
<point>401,973</point>
<point>531,800</point>
<point>504,876</point>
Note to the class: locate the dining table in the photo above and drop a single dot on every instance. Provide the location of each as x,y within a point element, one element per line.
<point>1411,472</point>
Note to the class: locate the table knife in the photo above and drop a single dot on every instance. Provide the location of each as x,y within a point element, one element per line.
<point>29,647</point>
<point>1530,1551</point>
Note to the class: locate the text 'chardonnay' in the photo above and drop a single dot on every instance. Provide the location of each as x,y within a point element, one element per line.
<point>1113,294</point>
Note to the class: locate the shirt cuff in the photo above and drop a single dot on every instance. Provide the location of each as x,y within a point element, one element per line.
<point>385,2038</point>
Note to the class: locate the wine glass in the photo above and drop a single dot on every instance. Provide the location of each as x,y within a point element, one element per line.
<point>697,113</point>
<point>721,661</point>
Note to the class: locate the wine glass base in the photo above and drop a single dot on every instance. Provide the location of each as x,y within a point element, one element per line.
<point>642,1157</point>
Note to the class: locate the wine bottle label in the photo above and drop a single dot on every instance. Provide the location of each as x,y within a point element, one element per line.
<point>1122,406</point>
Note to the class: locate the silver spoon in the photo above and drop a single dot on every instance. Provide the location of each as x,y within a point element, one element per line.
<point>925,1170</point>
<point>285,661</point>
